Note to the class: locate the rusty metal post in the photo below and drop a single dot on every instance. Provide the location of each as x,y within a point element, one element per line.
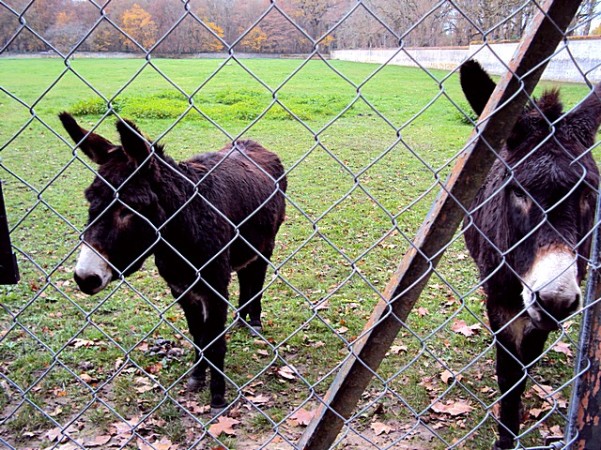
<point>498,118</point>
<point>584,427</point>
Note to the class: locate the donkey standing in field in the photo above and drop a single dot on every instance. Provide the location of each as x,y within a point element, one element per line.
<point>529,231</point>
<point>202,219</point>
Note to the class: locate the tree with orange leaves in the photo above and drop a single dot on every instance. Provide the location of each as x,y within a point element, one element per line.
<point>139,25</point>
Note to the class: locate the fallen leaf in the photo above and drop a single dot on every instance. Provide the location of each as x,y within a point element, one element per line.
<point>287,372</point>
<point>119,428</point>
<point>421,311</point>
<point>446,376</point>
<point>224,425</point>
<point>154,368</point>
<point>459,326</point>
<point>164,444</point>
<point>85,378</point>
<point>543,391</point>
<point>77,342</point>
<point>453,408</point>
<point>143,445</point>
<point>537,412</point>
<point>302,417</point>
<point>98,441</point>
<point>562,347</point>
<point>259,399</point>
<point>145,385</point>
<point>380,428</point>
<point>396,349</point>
<point>54,434</point>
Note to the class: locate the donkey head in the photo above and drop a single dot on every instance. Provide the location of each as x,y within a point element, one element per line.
<point>124,210</point>
<point>546,188</point>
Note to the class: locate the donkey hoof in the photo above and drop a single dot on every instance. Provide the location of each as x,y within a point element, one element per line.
<point>255,327</point>
<point>499,446</point>
<point>196,384</point>
<point>218,407</point>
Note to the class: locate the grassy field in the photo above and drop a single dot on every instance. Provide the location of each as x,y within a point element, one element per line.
<point>362,176</point>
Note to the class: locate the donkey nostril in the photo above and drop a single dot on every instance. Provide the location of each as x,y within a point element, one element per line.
<point>88,284</point>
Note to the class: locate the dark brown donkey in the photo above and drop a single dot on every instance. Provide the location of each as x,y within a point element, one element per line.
<point>202,219</point>
<point>529,231</point>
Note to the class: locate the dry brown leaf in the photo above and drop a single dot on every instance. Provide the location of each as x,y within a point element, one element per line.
<point>446,376</point>
<point>154,368</point>
<point>143,445</point>
<point>459,326</point>
<point>453,408</point>
<point>85,378</point>
<point>562,347</point>
<point>287,372</point>
<point>543,391</point>
<point>537,412</point>
<point>78,342</point>
<point>302,417</point>
<point>421,311</point>
<point>396,349</point>
<point>54,434</point>
<point>380,428</point>
<point>259,399</point>
<point>98,440</point>
<point>145,385</point>
<point>164,444</point>
<point>119,428</point>
<point>224,425</point>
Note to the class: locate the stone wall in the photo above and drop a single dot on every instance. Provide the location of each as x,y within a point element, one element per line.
<point>493,57</point>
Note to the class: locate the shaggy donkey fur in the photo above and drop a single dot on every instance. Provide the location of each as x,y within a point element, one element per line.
<point>529,231</point>
<point>202,219</point>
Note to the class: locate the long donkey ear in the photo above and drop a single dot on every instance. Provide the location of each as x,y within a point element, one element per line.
<point>95,147</point>
<point>133,142</point>
<point>585,118</point>
<point>476,85</point>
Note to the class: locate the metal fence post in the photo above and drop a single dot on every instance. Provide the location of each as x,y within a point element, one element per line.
<point>584,426</point>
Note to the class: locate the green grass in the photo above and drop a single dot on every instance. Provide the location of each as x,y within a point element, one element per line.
<point>331,274</point>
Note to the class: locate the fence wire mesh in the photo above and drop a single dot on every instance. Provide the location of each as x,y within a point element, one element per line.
<point>366,149</point>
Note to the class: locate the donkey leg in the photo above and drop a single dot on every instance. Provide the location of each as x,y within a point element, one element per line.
<point>509,372</point>
<point>251,279</point>
<point>512,382</point>
<point>195,317</point>
<point>214,350</point>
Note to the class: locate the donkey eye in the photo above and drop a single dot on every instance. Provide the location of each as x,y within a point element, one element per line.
<point>519,193</point>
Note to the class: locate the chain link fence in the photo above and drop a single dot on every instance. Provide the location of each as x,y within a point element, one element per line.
<point>367,149</point>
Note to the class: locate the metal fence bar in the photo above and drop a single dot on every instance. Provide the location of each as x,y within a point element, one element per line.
<point>402,292</point>
<point>584,430</point>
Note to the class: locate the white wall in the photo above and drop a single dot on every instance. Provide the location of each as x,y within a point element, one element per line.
<point>493,57</point>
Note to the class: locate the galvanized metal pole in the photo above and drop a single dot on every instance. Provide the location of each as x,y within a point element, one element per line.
<point>584,426</point>
<point>540,41</point>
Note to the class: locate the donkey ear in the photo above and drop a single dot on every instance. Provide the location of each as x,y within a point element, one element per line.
<point>585,118</point>
<point>476,85</point>
<point>134,144</point>
<point>95,147</point>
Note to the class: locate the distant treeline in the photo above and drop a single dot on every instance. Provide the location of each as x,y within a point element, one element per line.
<point>261,26</point>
